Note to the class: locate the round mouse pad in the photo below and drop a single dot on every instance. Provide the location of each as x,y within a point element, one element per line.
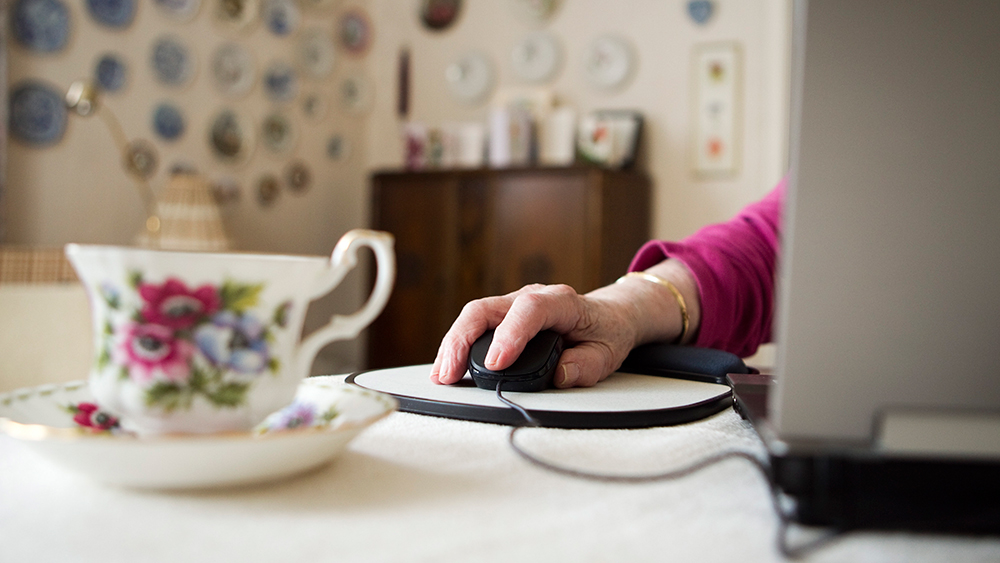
<point>623,400</point>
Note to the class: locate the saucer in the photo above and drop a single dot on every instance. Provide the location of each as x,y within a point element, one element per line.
<point>325,416</point>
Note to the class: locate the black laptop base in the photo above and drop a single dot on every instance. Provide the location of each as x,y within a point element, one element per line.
<point>856,491</point>
<point>906,494</point>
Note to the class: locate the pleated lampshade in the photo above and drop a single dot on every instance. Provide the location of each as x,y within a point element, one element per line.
<point>189,217</point>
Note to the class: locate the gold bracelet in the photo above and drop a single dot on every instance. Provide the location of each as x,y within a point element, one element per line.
<point>685,319</point>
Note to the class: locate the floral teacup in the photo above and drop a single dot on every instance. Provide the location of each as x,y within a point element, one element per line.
<point>192,342</point>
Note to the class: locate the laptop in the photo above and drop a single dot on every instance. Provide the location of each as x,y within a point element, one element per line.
<point>884,407</point>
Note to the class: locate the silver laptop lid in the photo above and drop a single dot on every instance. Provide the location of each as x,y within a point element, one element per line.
<point>890,279</point>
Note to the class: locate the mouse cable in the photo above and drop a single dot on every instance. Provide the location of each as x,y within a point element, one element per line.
<point>784,518</point>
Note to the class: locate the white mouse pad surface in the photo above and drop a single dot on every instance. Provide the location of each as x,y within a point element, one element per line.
<point>620,392</point>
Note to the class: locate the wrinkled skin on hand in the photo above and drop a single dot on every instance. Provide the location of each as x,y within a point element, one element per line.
<point>600,328</point>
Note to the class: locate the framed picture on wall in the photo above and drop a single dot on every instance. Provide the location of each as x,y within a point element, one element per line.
<point>717,108</point>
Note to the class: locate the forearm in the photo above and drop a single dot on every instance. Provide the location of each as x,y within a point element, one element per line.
<point>732,265</point>
<point>651,308</point>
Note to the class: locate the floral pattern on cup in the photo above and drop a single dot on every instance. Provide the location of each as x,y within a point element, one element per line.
<point>183,342</point>
<point>326,407</point>
<point>89,416</point>
<point>298,415</point>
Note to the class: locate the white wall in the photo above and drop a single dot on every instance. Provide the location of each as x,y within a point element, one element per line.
<point>663,37</point>
<point>77,190</point>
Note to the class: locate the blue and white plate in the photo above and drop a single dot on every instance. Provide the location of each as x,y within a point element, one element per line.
<point>280,81</point>
<point>168,121</point>
<point>111,73</point>
<point>179,10</point>
<point>281,16</point>
<point>112,13</point>
<point>40,25</point>
<point>37,114</point>
<point>172,61</point>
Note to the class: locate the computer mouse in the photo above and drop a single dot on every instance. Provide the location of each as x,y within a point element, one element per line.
<point>532,371</point>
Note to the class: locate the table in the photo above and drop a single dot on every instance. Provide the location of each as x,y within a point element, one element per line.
<point>418,488</point>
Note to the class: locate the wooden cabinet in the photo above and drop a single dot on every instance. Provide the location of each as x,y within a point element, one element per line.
<point>461,235</point>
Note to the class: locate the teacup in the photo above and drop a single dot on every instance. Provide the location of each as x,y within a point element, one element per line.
<point>194,342</point>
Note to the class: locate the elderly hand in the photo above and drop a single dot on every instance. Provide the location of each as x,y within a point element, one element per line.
<point>600,327</point>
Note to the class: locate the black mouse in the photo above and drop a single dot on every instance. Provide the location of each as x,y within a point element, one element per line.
<point>532,371</point>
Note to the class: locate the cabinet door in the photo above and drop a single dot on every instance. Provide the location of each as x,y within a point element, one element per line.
<point>540,231</point>
<point>420,212</point>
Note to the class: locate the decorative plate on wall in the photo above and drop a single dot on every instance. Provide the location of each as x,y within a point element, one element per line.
<point>470,78</point>
<point>111,73</point>
<point>609,61</point>
<point>355,32</point>
<point>356,93</point>
<point>238,15</point>
<point>140,159</point>
<point>40,25</point>
<point>314,106</point>
<point>317,53</point>
<point>233,70</point>
<point>337,147</point>
<point>179,10</point>
<point>230,137</point>
<point>280,81</point>
<point>173,63</point>
<point>112,13</point>
<point>537,57</point>
<point>168,121</point>
<point>37,114</point>
<point>268,190</point>
<point>277,133</point>
<point>438,15</point>
<point>298,177</point>
<point>281,16</point>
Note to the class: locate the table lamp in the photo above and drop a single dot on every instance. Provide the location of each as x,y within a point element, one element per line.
<point>187,218</point>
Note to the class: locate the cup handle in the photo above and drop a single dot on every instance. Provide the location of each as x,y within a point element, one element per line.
<point>343,259</point>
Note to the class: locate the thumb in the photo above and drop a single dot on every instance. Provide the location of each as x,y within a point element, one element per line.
<point>584,365</point>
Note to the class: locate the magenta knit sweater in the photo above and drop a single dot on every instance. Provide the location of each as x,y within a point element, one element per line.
<point>734,265</point>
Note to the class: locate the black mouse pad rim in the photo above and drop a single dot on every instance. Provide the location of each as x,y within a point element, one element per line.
<point>608,420</point>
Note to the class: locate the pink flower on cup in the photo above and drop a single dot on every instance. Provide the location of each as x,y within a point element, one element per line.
<point>150,351</point>
<point>173,305</point>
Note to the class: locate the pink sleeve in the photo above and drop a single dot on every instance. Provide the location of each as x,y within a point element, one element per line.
<point>734,266</point>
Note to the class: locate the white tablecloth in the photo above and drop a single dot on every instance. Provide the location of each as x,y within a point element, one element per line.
<point>416,488</point>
